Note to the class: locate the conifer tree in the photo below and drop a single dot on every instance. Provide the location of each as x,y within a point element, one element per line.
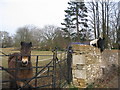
<point>75,20</point>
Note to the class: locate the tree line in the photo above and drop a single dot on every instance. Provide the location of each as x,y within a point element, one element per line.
<point>91,20</point>
<point>45,38</point>
<point>104,20</point>
<point>83,22</point>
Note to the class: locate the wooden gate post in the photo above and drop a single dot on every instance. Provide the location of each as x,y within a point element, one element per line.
<point>54,68</point>
<point>69,64</point>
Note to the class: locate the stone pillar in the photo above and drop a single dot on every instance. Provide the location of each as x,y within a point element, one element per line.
<point>86,65</point>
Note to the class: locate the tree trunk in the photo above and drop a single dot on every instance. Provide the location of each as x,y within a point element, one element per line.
<point>94,20</point>
<point>77,24</point>
<point>107,29</point>
<point>97,21</point>
<point>118,30</point>
<point>103,23</point>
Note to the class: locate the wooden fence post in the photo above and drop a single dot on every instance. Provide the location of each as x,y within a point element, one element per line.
<point>69,64</point>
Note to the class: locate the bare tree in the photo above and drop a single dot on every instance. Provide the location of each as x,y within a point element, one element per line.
<point>5,39</point>
<point>49,34</point>
<point>37,36</point>
<point>23,34</point>
<point>103,20</point>
<point>94,17</point>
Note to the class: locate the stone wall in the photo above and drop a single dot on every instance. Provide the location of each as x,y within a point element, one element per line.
<point>88,64</point>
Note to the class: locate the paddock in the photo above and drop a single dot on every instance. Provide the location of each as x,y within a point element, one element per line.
<point>49,72</point>
<point>53,70</point>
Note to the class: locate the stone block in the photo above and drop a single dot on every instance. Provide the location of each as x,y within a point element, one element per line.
<point>80,66</point>
<point>75,82</point>
<point>82,83</point>
<point>78,59</point>
<point>80,74</point>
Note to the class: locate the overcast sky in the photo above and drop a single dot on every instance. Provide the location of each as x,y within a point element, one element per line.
<point>17,13</point>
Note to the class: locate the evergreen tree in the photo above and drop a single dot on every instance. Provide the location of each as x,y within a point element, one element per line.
<point>75,17</point>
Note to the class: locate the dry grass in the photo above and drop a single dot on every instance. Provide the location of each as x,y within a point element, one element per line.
<point>42,61</point>
<point>4,59</point>
<point>12,50</point>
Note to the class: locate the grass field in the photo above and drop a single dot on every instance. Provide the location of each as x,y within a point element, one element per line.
<point>8,51</point>
<point>4,60</point>
<point>42,60</point>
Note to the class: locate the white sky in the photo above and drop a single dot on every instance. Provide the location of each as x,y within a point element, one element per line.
<point>17,13</point>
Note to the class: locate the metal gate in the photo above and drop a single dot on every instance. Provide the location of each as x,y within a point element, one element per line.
<point>55,73</point>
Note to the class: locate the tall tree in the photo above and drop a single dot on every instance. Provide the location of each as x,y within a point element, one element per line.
<point>118,26</point>
<point>94,15</point>
<point>93,8</point>
<point>97,20</point>
<point>76,18</point>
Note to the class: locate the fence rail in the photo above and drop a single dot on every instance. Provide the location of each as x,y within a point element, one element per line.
<point>53,74</point>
